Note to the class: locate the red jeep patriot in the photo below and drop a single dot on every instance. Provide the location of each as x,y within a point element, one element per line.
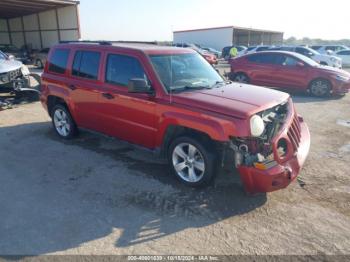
<point>172,101</point>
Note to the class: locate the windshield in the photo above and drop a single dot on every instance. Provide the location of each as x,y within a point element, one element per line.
<point>3,56</point>
<point>185,71</point>
<point>312,51</point>
<point>305,59</point>
<point>9,48</point>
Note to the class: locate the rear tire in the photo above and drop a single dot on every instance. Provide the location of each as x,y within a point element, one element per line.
<point>240,78</point>
<point>191,162</point>
<point>63,122</point>
<point>320,88</point>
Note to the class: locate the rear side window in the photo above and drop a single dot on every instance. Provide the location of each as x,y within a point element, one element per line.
<point>58,61</point>
<point>346,52</point>
<point>121,68</point>
<point>86,64</point>
<point>263,58</point>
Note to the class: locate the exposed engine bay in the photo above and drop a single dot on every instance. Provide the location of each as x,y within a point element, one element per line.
<point>257,151</point>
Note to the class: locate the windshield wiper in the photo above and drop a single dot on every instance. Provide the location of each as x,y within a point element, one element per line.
<point>184,88</point>
<point>221,83</point>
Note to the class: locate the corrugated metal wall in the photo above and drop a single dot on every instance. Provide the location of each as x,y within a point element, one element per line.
<point>214,38</point>
<point>42,29</point>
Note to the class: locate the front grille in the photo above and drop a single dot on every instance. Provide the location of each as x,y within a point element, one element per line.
<point>294,133</point>
<point>14,74</point>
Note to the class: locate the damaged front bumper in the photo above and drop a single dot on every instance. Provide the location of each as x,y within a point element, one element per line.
<point>20,85</point>
<point>256,180</point>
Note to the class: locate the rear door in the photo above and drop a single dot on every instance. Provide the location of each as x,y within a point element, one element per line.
<point>86,89</point>
<point>262,69</point>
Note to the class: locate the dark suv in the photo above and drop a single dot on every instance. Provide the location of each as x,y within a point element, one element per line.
<point>170,100</point>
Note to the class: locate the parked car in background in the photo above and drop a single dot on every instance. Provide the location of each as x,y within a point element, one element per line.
<point>254,49</point>
<point>40,57</point>
<point>12,74</point>
<point>290,71</point>
<point>345,56</point>
<point>315,47</point>
<point>226,51</point>
<point>211,58</point>
<point>13,51</point>
<point>188,113</point>
<point>212,51</point>
<point>331,49</point>
<point>314,55</point>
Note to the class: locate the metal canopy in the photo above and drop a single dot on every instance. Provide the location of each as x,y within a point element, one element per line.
<point>17,8</point>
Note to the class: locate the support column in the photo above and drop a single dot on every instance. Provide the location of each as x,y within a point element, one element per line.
<point>40,33</point>
<point>9,32</point>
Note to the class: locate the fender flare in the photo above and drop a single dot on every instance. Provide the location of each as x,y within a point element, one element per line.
<point>217,129</point>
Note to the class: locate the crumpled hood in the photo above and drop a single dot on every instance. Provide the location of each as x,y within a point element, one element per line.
<point>9,65</point>
<point>236,100</point>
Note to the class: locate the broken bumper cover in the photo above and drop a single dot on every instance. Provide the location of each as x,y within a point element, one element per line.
<point>279,176</point>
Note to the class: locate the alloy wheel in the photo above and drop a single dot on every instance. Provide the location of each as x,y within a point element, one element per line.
<point>319,88</point>
<point>61,122</point>
<point>188,162</point>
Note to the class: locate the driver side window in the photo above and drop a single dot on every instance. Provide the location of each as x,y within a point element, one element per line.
<point>121,68</point>
<point>290,61</point>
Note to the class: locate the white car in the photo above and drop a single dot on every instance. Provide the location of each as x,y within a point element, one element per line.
<point>10,71</point>
<point>331,49</point>
<point>254,49</point>
<point>345,56</point>
<point>328,60</point>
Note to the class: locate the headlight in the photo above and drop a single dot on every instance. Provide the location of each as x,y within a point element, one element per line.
<point>257,126</point>
<point>25,70</point>
<point>342,78</point>
<point>4,78</point>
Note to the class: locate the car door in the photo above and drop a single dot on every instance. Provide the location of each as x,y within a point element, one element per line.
<point>131,116</point>
<point>86,90</point>
<point>345,56</point>
<point>290,72</point>
<point>262,68</point>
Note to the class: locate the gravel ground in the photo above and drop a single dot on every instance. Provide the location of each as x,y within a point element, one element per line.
<point>98,195</point>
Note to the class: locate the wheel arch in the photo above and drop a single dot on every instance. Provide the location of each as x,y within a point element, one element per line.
<point>210,132</point>
<point>53,100</point>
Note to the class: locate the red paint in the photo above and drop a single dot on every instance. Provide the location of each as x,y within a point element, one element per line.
<point>143,119</point>
<point>293,78</point>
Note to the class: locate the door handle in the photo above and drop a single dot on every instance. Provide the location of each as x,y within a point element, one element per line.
<point>107,95</point>
<point>72,87</point>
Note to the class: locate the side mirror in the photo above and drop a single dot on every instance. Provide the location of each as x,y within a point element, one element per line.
<point>11,57</point>
<point>300,64</point>
<point>139,85</point>
<point>310,54</point>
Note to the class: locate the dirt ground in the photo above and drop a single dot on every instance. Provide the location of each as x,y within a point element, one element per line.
<point>98,195</point>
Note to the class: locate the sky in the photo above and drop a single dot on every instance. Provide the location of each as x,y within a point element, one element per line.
<point>149,20</point>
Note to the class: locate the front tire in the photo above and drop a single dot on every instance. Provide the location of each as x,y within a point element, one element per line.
<point>63,122</point>
<point>320,88</point>
<point>192,163</point>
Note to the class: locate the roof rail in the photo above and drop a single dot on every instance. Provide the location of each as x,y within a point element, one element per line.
<point>104,42</point>
<point>136,42</point>
<point>87,42</point>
